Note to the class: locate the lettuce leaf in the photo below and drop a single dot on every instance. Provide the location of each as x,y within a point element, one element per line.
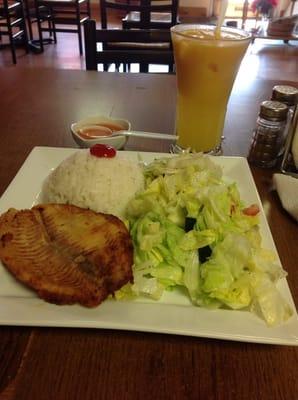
<point>237,273</point>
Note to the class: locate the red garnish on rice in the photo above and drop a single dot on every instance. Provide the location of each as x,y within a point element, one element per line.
<point>103,151</point>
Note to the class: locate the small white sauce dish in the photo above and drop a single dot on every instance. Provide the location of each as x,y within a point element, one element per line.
<point>118,142</point>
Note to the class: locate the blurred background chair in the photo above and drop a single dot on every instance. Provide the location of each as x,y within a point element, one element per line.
<point>153,14</point>
<point>144,10</point>
<point>142,14</point>
<point>13,25</point>
<point>125,46</point>
<point>65,16</point>
<point>45,15</point>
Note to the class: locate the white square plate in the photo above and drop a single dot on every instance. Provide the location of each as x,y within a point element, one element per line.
<point>173,313</point>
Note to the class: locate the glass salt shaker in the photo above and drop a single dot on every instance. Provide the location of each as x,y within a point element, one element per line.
<point>268,135</point>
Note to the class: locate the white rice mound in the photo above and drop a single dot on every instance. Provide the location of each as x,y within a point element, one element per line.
<point>101,184</point>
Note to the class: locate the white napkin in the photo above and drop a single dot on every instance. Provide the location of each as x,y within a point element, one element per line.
<point>287,189</point>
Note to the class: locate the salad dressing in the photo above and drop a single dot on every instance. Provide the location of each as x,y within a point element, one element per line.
<point>98,130</point>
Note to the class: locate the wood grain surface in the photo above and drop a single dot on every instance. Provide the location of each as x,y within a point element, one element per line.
<point>37,108</point>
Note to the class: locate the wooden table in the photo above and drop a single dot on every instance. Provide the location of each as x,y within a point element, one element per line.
<point>262,34</point>
<point>36,108</point>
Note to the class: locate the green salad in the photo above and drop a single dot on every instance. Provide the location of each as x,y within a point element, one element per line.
<point>190,229</point>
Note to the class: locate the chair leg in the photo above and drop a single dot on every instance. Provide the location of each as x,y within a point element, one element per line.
<point>80,39</point>
<point>38,20</point>
<point>78,19</point>
<point>144,67</point>
<point>50,27</point>
<point>11,40</point>
<point>53,25</point>
<point>30,28</point>
<point>54,31</point>
<point>28,17</point>
<point>24,28</point>
<point>126,67</point>
<point>26,39</point>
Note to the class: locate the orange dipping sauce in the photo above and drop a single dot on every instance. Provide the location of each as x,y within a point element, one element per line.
<point>97,130</point>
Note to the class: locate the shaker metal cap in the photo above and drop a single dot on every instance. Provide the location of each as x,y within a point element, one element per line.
<point>285,94</point>
<point>273,110</point>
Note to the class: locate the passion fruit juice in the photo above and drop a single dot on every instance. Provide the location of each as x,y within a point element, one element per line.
<point>206,67</point>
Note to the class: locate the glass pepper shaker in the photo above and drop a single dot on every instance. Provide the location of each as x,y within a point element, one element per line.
<point>285,94</point>
<point>268,135</point>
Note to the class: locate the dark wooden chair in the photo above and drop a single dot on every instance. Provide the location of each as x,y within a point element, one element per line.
<point>12,19</point>
<point>44,14</point>
<point>142,14</point>
<point>124,46</point>
<point>67,16</point>
<point>152,14</point>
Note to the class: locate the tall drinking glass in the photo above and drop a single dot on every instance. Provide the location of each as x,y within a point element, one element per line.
<point>206,67</point>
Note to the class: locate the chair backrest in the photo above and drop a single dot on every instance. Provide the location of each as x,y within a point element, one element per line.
<point>127,46</point>
<point>12,19</point>
<point>4,7</point>
<point>145,8</point>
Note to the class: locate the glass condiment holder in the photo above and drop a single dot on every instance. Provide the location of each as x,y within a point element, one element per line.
<point>267,138</point>
<point>285,94</point>
<point>288,164</point>
<point>289,96</point>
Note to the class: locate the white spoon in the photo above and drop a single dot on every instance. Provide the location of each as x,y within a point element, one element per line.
<point>106,132</point>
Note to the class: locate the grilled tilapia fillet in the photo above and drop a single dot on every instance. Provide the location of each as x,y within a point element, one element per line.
<point>65,253</point>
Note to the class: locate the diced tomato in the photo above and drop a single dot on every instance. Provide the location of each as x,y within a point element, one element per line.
<point>251,210</point>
